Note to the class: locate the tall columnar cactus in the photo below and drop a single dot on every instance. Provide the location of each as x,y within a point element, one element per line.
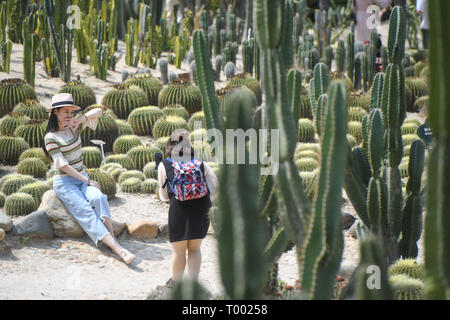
<point>319,85</point>
<point>324,243</point>
<point>340,56</point>
<point>247,56</point>
<point>163,68</point>
<point>350,55</point>
<point>437,222</point>
<point>29,48</point>
<point>295,92</point>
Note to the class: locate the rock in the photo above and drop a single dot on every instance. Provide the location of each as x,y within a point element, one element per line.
<point>163,230</point>
<point>35,225</point>
<point>118,227</point>
<point>5,222</point>
<point>347,220</point>
<point>63,223</point>
<point>2,234</point>
<point>353,231</point>
<point>5,246</point>
<point>144,229</point>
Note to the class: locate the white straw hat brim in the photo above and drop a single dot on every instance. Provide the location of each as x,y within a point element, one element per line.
<point>49,109</point>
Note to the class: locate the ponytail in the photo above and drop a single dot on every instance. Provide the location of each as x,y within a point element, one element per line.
<point>51,127</point>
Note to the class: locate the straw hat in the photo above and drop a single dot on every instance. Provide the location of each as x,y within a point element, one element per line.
<point>62,100</point>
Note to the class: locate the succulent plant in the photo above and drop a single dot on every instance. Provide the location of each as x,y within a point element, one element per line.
<point>164,127</point>
<point>15,182</point>
<point>11,148</point>
<point>197,117</point>
<point>51,173</point>
<point>150,186</point>
<point>115,173</point>
<point>202,150</point>
<point>224,94</point>
<point>418,88</point>
<point>2,200</point>
<point>403,167</point>
<point>355,129</point>
<point>143,119</point>
<point>306,164</point>
<point>141,155</point>
<point>358,99</point>
<point>110,166</point>
<point>307,154</point>
<point>150,171</point>
<point>32,132</point>
<point>243,79</point>
<point>408,139</point>
<point>406,288</point>
<point>182,93</point>
<point>124,98</point>
<point>356,114</point>
<point>149,84</point>
<point>305,130</point>
<point>131,185</point>
<point>12,92</point>
<point>161,143</point>
<point>421,103</point>
<point>408,267</point>
<point>409,128</point>
<point>83,96</point>
<point>124,143</point>
<point>91,156</point>
<point>105,180</point>
<point>36,190</point>
<point>122,159</point>
<point>131,174</point>
<point>19,204</point>
<point>351,140</point>
<point>124,128</point>
<point>176,110</point>
<point>10,122</point>
<point>33,167</point>
<point>35,153</point>
<point>308,146</point>
<point>32,109</point>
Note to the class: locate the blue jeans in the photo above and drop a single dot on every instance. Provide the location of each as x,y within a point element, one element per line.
<point>87,204</point>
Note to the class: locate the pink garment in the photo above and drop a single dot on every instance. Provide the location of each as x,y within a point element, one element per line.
<point>360,9</point>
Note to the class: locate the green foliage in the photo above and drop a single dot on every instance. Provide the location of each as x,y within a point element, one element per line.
<point>164,127</point>
<point>182,93</point>
<point>32,132</point>
<point>11,148</point>
<point>143,119</point>
<point>141,155</point>
<point>12,92</point>
<point>91,156</point>
<point>33,167</point>
<point>124,143</point>
<point>149,84</point>
<point>83,96</point>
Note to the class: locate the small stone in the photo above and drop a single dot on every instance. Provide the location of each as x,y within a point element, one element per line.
<point>118,227</point>
<point>5,222</point>
<point>347,220</point>
<point>36,225</point>
<point>2,234</point>
<point>144,229</point>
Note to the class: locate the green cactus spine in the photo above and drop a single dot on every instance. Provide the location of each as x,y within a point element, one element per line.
<point>141,155</point>
<point>149,84</point>
<point>350,55</point>
<point>124,143</point>
<point>32,132</point>
<point>12,92</point>
<point>19,204</point>
<point>29,48</point>
<point>124,98</point>
<point>143,119</point>
<point>33,167</point>
<point>92,157</point>
<point>83,96</point>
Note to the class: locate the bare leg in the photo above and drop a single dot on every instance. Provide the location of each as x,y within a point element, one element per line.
<point>194,258</point>
<point>124,254</point>
<point>179,259</point>
<point>108,225</point>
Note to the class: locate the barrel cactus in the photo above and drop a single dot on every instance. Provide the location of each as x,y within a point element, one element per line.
<point>202,150</point>
<point>307,154</point>
<point>198,117</point>
<point>308,146</point>
<point>51,173</point>
<point>12,92</point>
<point>122,159</point>
<point>356,114</point>
<point>421,104</point>
<point>355,129</point>
<point>124,98</point>
<point>406,288</point>
<point>306,164</point>
<point>176,110</point>
<point>409,128</point>
<point>2,200</point>
<point>198,135</point>
<point>141,155</point>
<point>149,186</point>
<point>408,139</point>
<point>418,88</point>
<point>244,79</point>
<point>19,204</point>
<point>305,130</point>
<point>182,93</point>
<point>352,141</point>
<point>10,122</point>
<point>131,185</point>
<point>92,157</point>
<point>150,171</point>
<point>164,127</point>
<point>106,182</point>
<point>224,94</point>
<point>14,183</point>
<point>105,110</point>
<point>32,109</point>
<point>110,166</point>
<point>143,119</point>
<point>83,96</point>
<point>131,174</point>
<point>123,144</point>
<point>161,143</point>
<point>33,167</point>
<point>107,130</point>
<point>149,84</point>
<point>32,132</point>
<point>408,267</point>
<point>11,148</point>
<point>36,190</point>
<point>124,128</point>
<point>359,99</point>
<point>35,153</point>
<point>115,173</point>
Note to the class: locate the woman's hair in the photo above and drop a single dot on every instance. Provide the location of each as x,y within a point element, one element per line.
<point>177,138</point>
<point>51,127</point>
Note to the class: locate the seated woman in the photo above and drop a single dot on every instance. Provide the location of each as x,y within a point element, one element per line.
<point>72,185</point>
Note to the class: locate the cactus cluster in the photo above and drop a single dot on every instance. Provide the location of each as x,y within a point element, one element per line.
<point>149,84</point>
<point>125,161</point>
<point>14,182</point>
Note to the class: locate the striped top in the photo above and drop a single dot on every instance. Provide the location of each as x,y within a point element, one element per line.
<point>65,146</point>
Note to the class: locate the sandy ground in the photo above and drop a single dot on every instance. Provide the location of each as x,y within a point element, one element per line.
<point>76,269</point>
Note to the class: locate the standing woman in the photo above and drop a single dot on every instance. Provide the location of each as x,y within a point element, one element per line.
<point>189,219</point>
<point>72,185</point>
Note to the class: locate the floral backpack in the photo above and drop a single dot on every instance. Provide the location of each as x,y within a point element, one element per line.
<point>189,182</point>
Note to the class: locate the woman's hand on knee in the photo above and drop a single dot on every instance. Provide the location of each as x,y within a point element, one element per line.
<point>95,184</point>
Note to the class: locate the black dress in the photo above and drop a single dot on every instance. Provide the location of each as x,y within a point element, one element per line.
<point>188,220</point>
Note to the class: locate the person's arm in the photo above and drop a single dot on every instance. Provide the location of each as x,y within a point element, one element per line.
<point>89,119</point>
<point>163,195</point>
<point>211,180</point>
<point>420,7</point>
